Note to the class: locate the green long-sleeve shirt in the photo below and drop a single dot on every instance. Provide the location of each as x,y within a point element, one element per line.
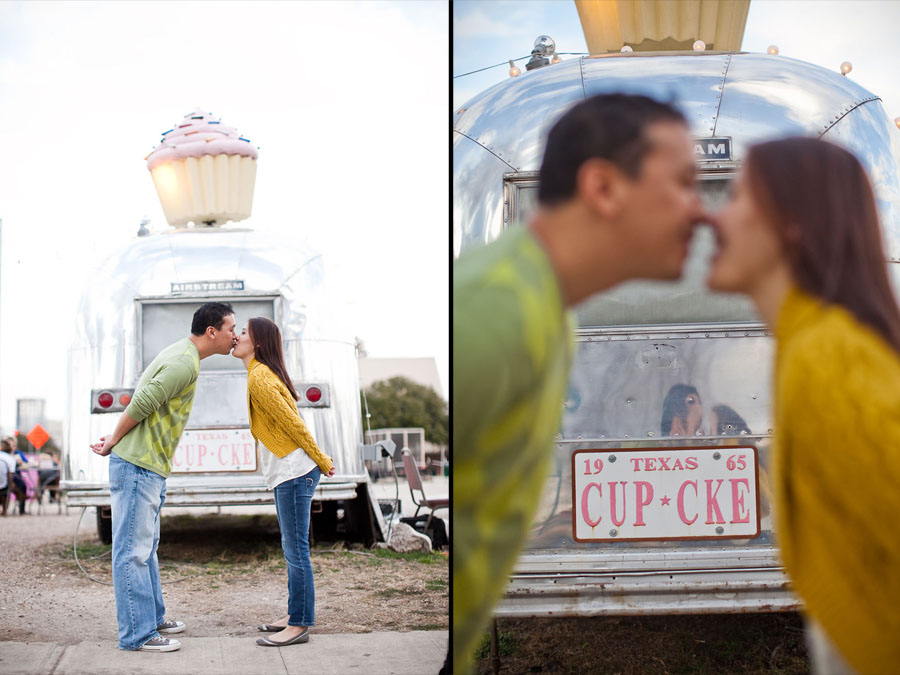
<point>512,347</point>
<point>161,406</point>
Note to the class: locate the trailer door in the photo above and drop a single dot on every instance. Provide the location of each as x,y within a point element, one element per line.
<point>221,398</point>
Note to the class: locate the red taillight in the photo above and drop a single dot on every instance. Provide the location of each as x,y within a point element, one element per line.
<point>313,394</point>
<point>105,399</point>
<point>124,399</point>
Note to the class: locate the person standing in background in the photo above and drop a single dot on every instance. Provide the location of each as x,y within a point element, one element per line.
<point>7,470</point>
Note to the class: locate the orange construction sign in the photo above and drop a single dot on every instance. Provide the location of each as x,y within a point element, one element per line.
<point>38,436</point>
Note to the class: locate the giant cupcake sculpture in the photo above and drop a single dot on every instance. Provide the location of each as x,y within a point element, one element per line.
<point>204,172</point>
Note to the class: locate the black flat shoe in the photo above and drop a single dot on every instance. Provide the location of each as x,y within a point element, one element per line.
<point>269,628</point>
<point>300,639</point>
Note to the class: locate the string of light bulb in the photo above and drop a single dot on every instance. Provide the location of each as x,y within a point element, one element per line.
<point>527,56</point>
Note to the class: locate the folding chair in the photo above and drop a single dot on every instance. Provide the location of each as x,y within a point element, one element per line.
<point>415,483</point>
<point>49,482</point>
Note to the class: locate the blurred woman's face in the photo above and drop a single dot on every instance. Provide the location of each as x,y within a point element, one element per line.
<point>244,346</point>
<point>749,250</point>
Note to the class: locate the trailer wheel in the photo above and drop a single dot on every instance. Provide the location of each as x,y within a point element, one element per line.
<point>360,519</point>
<point>104,524</point>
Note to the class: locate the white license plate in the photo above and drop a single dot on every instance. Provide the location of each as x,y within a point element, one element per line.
<point>204,450</point>
<point>665,493</point>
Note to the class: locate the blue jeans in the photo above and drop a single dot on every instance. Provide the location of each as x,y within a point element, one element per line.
<point>137,497</point>
<point>293,499</point>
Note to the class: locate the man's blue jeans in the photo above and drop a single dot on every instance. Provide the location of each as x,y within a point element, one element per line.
<point>137,497</point>
<point>293,500</point>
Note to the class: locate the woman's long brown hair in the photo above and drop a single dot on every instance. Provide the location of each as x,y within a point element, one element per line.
<point>820,199</point>
<point>266,339</point>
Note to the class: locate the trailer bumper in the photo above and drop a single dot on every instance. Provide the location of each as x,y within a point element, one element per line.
<point>649,583</point>
<point>209,496</point>
<point>670,592</point>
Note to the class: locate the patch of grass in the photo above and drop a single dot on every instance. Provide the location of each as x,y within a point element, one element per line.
<point>507,643</point>
<point>87,550</point>
<point>416,556</point>
<point>436,584</point>
<point>391,592</point>
<point>431,626</point>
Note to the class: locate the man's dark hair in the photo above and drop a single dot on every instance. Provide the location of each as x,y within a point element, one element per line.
<point>210,314</point>
<point>606,126</point>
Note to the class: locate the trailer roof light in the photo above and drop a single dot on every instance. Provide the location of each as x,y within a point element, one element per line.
<point>314,394</point>
<point>773,50</point>
<point>125,399</point>
<point>105,399</point>
<point>699,46</point>
<point>846,67</point>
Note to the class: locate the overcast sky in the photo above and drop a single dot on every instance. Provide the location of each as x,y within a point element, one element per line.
<point>824,32</point>
<point>347,102</point>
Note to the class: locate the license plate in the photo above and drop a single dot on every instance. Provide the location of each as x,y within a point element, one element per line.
<point>205,450</point>
<point>665,493</point>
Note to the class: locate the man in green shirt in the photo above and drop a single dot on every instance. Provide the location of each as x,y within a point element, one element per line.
<point>142,446</point>
<point>616,201</point>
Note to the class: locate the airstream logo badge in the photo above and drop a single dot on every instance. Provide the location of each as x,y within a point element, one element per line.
<point>194,286</point>
<point>712,149</point>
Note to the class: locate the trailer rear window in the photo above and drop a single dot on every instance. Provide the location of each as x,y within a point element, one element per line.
<point>162,323</point>
<point>685,301</point>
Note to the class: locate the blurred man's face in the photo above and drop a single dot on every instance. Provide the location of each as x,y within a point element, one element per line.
<point>662,205</point>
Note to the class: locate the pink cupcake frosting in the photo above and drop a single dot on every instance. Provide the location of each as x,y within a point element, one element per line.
<point>199,134</point>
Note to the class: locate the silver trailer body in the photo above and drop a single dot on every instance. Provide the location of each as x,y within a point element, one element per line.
<point>142,298</point>
<point>639,339</point>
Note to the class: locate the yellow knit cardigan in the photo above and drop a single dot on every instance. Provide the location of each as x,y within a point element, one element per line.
<point>274,420</point>
<point>837,476</point>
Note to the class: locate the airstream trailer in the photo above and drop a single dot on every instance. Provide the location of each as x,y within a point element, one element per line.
<point>643,348</point>
<point>142,298</point>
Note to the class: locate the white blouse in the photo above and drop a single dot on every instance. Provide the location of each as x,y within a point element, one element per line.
<point>277,470</point>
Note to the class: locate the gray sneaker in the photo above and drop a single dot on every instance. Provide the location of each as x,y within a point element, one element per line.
<point>170,627</point>
<point>161,644</point>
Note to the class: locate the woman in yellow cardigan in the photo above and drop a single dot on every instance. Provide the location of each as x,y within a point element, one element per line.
<point>292,464</point>
<point>800,235</point>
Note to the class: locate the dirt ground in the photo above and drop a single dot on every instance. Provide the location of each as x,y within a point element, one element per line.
<point>221,575</point>
<point>713,644</point>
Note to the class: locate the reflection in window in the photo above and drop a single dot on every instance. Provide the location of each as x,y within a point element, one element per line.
<point>166,322</point>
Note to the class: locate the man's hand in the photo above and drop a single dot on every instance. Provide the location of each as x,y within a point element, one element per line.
<point>104,447</point>
<point>331,471</point>
<point>107,443</point>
